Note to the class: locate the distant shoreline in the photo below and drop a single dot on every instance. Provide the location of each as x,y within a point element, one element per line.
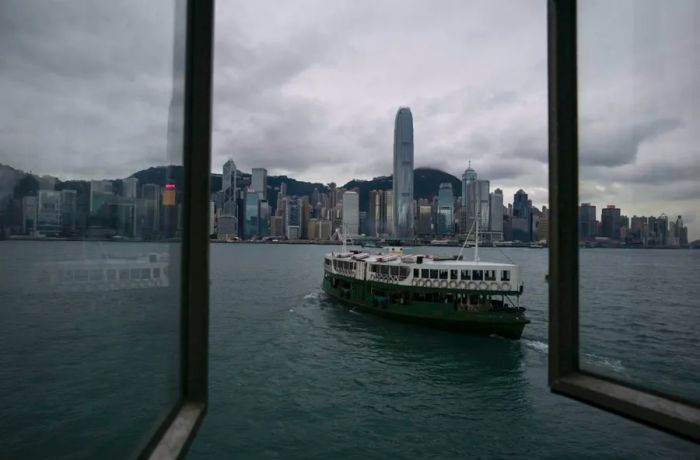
<point>302,242</point>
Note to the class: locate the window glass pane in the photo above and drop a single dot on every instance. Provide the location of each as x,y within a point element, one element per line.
<point>91,193</point>
<point>639,128</point>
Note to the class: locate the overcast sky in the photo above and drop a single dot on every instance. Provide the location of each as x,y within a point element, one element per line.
<point>310,89</point>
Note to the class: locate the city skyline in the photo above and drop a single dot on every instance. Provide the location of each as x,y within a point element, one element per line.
<point>298,99</point>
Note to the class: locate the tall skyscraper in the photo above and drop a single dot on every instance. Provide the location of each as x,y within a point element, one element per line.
<point>49,212</point>
<point>100,194</point>
<point>468,177</point>
<point>229,188</point>
<point>403,174</point>
<point>129,187</point>
<point>522,217</point>
<point>351,213</point>
<point>445,211</point>
<point>610,222</point>
<point>259,182</point>
<point>251,226</point>
<point>389,211</point>
<point>293,218</point>
<point>69,211</point>
<point>587,222</point>
<point>496,214</point>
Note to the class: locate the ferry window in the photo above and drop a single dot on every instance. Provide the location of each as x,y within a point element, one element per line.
<point>477,275</point>
<point>443,274</point>
<point>416,273</point>
<point>394,270</point>
<point>81,275</point>
<point>111,274</point>
<point>490,275</point>
<point>434,274</point>
<point>145,273</point>
<point>135,273</point>
<point>123,274</point>
<point>453,274</point>
<point>636,54</point>
<point>156,272</point>
<point>66,275</point>
<point>424,273</point>
<point>404,271</point>
<point>466,275</point>
<point>96,274</point>
<point>505,275</point>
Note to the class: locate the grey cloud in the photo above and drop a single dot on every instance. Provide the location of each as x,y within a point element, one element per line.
<point>603,144</point>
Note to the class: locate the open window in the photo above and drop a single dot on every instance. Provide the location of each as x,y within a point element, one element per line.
<point>579,35</point>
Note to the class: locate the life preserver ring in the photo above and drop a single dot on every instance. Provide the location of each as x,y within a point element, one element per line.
<point>428,283</point>
<point>494,286</point>
<point>402,301</point>
<point>421,283</point>
<point>462,284</point>
<point>453,284</point>
<point>505,286</point>
<point>472,285</point>
<point>483,285</point>
<point>443,283</point>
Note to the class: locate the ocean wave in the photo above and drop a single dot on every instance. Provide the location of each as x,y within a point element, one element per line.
<point>594,360</point>
<point>311,295</point>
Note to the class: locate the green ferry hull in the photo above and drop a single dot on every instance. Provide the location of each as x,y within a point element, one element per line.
<point>358,294</point>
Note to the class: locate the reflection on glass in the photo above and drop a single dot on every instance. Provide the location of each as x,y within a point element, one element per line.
<point>639,128</point>
<point>91,196</point>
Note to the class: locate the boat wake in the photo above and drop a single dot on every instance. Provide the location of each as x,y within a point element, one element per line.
<point>592,359</point>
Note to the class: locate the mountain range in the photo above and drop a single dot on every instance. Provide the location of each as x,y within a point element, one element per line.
<point>426,182</point>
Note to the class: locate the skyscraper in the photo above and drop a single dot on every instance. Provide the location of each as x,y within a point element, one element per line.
<point>129,187</point>
<point>259,182</point>
<point>587,222</point>
<point>403,174</point>
<point>351,213</point>
<point>468,177</point>
<point>445,211</point>
<point>496,214</point>
<point>610,222</point>
<point>251,224</point>
<point>228,187</point>
<point>522,220</point>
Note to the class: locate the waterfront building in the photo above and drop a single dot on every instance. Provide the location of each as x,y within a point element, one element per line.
<point>212,218</point>
<point>226,227</point>
<point>265,215</point>
<point>389,212</point>
<point>445,209</point>
<point>49,212</point>
<point>258,182</point>
<point>469,176</point>
<point>148,211</point>
<point>305,216</point>
<point>69,211</point>
<point>478,204</point>
<point>587,222</point>
<point>543,227</point>
<point>375,215</point>
<point>662,230</point>
<point>522,217</point>
<point>496,214</point>
<point>251,226</point>
<point>610,222</point>
<point>402,182</point>
<point>100,194</point>
<point>276,226</point>
<point>229,188</point>
<point>293,218</point>
<point>351,213</point>
<point>424,225</point>
<point>130,187</point>
<point>325,230</point>
<point>312,229</point>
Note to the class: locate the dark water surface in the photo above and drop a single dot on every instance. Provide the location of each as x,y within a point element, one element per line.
<point>294,375</point>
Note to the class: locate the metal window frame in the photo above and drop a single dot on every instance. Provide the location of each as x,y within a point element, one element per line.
<point>659,410</point>
<point>175,434</point>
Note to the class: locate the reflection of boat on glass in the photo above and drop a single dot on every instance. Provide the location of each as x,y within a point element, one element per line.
<point>105,274</point>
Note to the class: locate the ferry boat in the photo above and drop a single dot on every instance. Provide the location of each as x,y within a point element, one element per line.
<point>451,293</point>
<point>103,274</point>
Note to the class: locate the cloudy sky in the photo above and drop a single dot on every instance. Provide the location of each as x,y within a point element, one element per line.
<point>310,89</point>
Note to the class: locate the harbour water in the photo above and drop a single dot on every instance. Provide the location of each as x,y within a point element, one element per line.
<point>295,375</point>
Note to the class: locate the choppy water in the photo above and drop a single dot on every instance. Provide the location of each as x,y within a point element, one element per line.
<point>295,375</point>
